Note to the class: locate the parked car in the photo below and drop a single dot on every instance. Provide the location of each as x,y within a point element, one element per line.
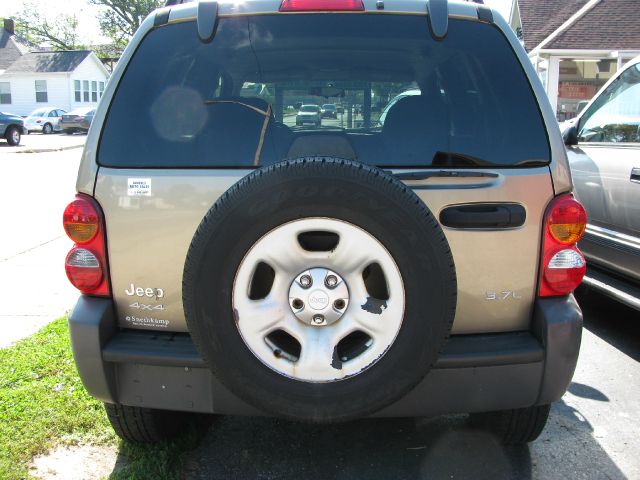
<point>603,145</point>
<point>44,120</point>
<point>78,120</point>
<point>421,268</point>
<point>309,114</point>
<point>329,111</point>
<point>11,128</point>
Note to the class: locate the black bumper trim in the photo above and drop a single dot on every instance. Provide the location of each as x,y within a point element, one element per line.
<point>178,350</point>
<point>474,373</point>
<point>153,348</point>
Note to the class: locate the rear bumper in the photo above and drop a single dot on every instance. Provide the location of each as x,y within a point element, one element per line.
<point>74,126</point>
<point>474,373</point>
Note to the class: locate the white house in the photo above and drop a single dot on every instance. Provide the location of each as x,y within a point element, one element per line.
<point>33,79</point>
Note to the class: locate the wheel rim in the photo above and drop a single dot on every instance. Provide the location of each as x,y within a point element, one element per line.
<point>361,311</point>
<point>47,129</point>
<point>15,136</point>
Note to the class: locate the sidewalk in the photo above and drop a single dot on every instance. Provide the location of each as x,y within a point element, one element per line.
<point>38,143</point>
<point>34,290</point>
<point>34,190</point>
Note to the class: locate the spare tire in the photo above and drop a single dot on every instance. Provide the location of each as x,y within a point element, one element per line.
<point>319,289</point>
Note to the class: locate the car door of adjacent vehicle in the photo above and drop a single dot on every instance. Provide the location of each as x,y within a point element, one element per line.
<point>606,173</point>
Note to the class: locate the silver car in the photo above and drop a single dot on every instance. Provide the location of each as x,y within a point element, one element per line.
<point>309,114</point>
<point>44,120</point>
<point>604,155</point>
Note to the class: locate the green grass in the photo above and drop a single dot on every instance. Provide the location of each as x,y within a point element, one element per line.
<point>43,404</point>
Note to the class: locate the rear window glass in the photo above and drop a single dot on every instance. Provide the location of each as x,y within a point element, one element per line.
<point>401,99</point>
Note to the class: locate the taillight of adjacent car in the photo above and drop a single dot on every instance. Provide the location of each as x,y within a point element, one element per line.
<point>86,263</point>
<point>563,265</point>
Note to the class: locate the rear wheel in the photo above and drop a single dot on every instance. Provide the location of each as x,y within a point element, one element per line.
<point>13,136</point>
<point>147,425</point>
<point>47,129</point>
<point>514,427</point>
<point>68,131</point>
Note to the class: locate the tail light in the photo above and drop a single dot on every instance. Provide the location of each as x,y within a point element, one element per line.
<point>563,265</point>
<point>321,6</point>
<point>86,263</point>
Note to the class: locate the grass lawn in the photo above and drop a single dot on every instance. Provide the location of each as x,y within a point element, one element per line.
<point>43,404</point>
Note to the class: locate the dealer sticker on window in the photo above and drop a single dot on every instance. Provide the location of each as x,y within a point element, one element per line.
<point>139,187</point>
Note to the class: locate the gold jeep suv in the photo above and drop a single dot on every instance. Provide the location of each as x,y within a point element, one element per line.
<point>233,261</point>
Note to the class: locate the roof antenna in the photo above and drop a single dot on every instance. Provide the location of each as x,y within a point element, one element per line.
<point>207,20</point>
<point>438,11</point>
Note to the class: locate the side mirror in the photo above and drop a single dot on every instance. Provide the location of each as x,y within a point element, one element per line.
<point>570,136</point>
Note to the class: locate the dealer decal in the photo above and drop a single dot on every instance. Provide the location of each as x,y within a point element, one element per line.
<point>139,187</point>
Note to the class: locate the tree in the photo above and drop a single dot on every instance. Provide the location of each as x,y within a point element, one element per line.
<point>59,32</point>
<point>121,18</point>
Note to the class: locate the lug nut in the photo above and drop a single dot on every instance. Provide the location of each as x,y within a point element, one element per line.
<point>305,281</point>
<point>339,304</point>
<point>297,304</point>
<point>318,319</point>
<point>331,281</point>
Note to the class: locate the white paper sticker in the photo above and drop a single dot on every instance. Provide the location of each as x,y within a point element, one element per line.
<point>139,187</point>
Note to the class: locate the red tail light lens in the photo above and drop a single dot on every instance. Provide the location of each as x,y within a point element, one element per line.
<point>81,220</point>
<point>563,265</point>
<point>86,263</point>
<point>321,6</point>
<point>567,220</point>
<point>83,269</point>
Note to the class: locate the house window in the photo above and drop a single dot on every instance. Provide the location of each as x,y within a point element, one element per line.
<point>41,91</point>
<point>5,93</point>
<point>101,85</point>
<point>85,90</point>
<point>77,90</point>
<point>94,91</point>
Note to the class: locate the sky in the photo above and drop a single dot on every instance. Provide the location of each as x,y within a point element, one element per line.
<point>88,29</point>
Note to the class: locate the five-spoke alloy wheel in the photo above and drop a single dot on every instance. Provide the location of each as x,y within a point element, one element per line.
<point>317,320</point>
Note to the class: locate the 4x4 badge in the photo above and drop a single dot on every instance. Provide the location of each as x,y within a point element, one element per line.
<point>143,306</point>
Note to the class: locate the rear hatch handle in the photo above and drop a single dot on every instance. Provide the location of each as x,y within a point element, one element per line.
<point>484,216</point>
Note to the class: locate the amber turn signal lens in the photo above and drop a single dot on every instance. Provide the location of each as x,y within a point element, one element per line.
<point>81,221</point>
<point>567,232</point>
<point>567,220</point>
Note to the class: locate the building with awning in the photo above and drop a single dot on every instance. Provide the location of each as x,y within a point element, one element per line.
<point>576,45</point>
